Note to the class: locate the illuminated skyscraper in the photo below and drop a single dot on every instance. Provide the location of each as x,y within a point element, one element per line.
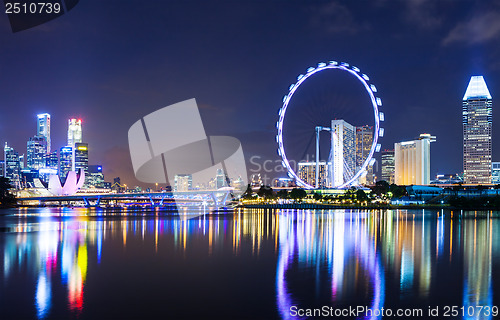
<point>364,140</point>
<point>220,179</point>
<point>65,161</point>
<point>342,154</point>
<point>95,176</point>
<point>183,182</point>
<point>36,152</point>
<point>12,165</point>
<point>82,159</point>
<point>477,119</point>
<point>74,132</point>
<point>43,128</point>
<point>307,173</point>
<point>413,161</point>
<point>388,166</point>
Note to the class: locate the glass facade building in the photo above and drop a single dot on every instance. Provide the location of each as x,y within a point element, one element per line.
<point>74,132</point>
<point>36,153</point>
<point>82,159</point>
<point>183,182</point>
<point>495,172</point>
<point>342,154</point>
<point>43,129</point>
<point>13,165</point>
<point>95,177</point>
<point>307,173</point>
<point>364,140</point>
<point>477,121</point>
<point>388,166</point>
<point>65,162</point>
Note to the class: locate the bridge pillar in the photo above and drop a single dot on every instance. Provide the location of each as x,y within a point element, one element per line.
<point>87,203</point>
<point>223,202</point>
<point>214,198</point>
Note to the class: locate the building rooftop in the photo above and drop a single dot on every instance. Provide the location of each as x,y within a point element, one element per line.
<point>477,88</point>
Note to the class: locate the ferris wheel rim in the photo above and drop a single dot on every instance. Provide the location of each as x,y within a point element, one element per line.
<point>376,102</point>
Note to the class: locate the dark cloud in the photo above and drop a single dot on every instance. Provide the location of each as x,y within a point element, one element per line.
<point>481,28</point>
<point>335,18</point>
<point>424,14</point>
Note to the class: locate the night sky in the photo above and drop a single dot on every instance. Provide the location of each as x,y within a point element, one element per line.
<point>112,62</point>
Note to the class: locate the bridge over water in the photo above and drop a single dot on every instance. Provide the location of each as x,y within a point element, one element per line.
<point>208,198</point>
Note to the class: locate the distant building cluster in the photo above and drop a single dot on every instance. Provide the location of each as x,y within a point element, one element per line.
<point>184,182</point>
<point>42,161</point>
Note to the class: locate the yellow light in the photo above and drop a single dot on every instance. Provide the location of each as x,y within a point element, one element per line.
<point>83,148</point>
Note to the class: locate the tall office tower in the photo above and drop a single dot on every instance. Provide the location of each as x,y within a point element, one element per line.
<point>65,161</point>
<point>36,153</point>
<point>342,157</point>
<point>364,140</point>
<point>413,161</point>
<point>388,166</point>
<point>74,132</point>
<point>12,165</point>
<point>52,160</point>
<point>43,128</point>
<point>95,177</point>
<point>183,182</point>
<point>307,173</point>
<point>477,118</point>
<point>82,159</point>
<point>220,179</point>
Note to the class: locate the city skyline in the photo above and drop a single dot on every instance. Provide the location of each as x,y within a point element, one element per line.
<point>420,55</point>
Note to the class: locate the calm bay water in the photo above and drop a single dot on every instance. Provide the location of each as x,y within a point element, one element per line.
<point>250,264</point>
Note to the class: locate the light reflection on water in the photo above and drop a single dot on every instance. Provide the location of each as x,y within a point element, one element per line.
<point>340,258</point>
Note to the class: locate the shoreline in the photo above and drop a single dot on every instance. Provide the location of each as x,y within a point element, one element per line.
<point>318,206</point>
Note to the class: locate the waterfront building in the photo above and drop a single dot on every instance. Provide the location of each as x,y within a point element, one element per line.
<point>65,162</point>
<point>27,177</point>
<point>220,179</point>
<point>413,161</point>
<point>239,184</point>
<point>388,166</point>
<point>364,141</point>
<point>2,168</point>
<point>477,122</point>
<point>284,182</point>
<point>183,182</point>
<point>447,178</point>
<point>342,157</point>
<point>36,152</point>
<point>13,165</point>
<point>95,176</point>
<point>74,132</point>
<point>81,152</point>
<point>43,129</point>
<point>495,172</point>
<point>307,173</point>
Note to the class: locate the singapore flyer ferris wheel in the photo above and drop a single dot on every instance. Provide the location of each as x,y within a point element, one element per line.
<point>338,171</point>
